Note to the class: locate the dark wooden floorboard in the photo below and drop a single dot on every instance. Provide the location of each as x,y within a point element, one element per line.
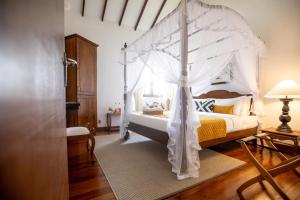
<point>87,180</point>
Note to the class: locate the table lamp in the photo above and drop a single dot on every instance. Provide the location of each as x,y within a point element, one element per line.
<point>286,91</point>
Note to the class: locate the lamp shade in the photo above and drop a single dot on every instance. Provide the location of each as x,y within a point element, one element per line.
<point>285,89</point>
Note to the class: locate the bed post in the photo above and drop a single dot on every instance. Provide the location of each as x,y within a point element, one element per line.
<point>184,73</point>
<point>125,87</point>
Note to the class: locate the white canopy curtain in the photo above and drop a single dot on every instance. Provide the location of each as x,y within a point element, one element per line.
<point>190,47</point>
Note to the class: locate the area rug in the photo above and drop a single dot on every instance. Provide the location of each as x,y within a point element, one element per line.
<point>138,169</point>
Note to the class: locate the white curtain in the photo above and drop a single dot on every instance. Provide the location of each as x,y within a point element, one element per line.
<point>216,36</point>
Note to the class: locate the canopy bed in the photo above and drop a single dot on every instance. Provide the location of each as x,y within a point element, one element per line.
<point>189,48</point>
<point>237,126</point>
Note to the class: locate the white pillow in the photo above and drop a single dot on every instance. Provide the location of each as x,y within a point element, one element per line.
<point>245,104</point>
<point>241,104</point>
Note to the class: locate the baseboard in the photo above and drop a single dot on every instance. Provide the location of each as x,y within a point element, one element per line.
<point>103,129</point>
<point>100,129</point>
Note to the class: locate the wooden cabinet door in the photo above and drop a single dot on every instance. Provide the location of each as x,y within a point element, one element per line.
<point>33,155</point>
<point>83,112</point>
<point>72,118</point>
<point>87,112</point>
<point>87,71</point>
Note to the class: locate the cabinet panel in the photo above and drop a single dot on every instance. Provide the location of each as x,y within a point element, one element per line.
<point>71,90</point>
<point>72,118</point>
<point>86,56</point>
<point>87,112</point>
<point>83,112</point>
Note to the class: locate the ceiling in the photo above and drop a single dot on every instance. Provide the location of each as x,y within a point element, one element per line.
<point>114,8</point>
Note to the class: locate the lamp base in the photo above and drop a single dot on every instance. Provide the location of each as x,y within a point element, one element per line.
<point>284,128</point>
<point>285,117</point>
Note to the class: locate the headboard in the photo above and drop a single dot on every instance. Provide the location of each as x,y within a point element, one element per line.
<point>223,94</point>
<point>220,94</point>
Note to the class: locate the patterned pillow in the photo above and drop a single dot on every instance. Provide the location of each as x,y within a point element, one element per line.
<point>204,105</point>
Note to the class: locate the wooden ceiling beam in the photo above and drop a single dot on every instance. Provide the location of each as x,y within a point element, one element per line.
<point>141,14</point>
<point>123,11</point>
<point>103,10</point>
<point>158,13</point>
<point>83,8</point>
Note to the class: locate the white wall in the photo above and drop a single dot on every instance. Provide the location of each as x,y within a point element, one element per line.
<point>110,38</point>
<point>277,22</point>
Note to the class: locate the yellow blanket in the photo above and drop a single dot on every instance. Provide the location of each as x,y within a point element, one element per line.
<point>211,128</point>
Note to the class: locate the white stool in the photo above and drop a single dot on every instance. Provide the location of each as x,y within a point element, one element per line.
<point>78,141</point>
<point>74,131</point>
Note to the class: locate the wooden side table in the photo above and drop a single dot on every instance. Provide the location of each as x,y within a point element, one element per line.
<point>278,137</point>
<point>108,119</point>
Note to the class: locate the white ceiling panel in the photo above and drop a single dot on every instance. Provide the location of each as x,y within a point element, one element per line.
<point>169,7</point>
<point>94,8</point>
<point>132,12</point>
<point>113,10</point>
<point>149,14</point>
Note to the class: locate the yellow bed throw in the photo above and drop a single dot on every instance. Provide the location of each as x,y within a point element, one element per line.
<point>211,128</point>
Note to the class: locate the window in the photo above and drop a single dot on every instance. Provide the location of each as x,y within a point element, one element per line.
<point>153,86</point>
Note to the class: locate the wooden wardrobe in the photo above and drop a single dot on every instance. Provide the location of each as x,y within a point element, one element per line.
<point>82,80</point>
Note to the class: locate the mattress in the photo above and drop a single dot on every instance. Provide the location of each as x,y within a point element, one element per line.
<point>233,122</point>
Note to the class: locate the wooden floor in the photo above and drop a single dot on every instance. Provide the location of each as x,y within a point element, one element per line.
<point>87,180</point>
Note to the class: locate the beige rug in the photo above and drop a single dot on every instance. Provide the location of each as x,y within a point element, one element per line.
<point>139,170</point>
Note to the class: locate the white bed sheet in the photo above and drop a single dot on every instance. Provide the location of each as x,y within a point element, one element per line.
<point>233,122</point>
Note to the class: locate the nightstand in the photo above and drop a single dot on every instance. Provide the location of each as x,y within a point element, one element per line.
<point>108,120</point>
<point>280,140</point>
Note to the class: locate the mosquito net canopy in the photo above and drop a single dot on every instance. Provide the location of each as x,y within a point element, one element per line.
<point>190,47</point>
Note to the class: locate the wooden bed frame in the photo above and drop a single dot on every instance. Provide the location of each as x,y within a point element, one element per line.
<point>162,137</point>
